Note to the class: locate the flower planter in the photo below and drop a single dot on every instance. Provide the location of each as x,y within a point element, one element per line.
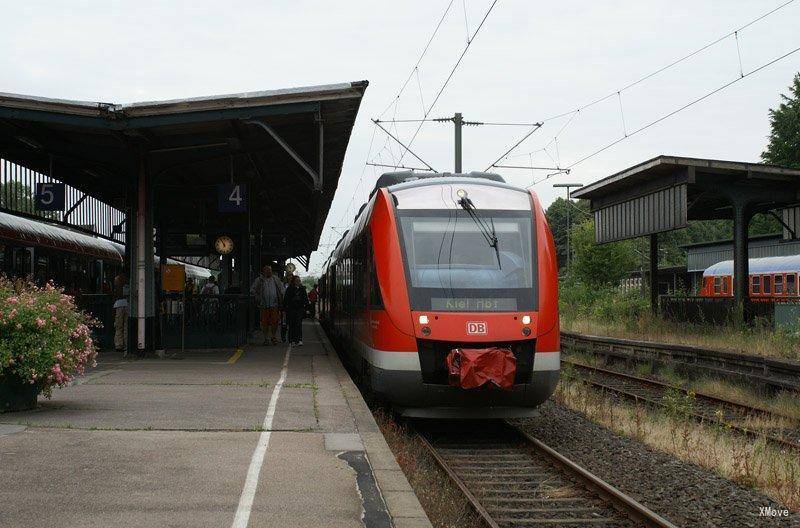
<point>15,394</point>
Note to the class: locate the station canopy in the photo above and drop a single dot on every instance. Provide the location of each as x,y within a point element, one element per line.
<point>666,192</point>
<point>287,145</point>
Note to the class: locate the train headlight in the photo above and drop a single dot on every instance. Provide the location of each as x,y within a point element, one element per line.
<point>423,319</point>
<point>526,319</point>
<point>426,331</point>
<point>526,331</point>
<point>461,193</point>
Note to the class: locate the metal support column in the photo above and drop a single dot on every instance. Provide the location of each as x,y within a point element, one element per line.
<point>654,273</point>
<point>458,120</point>
<point>142,276</point>
<point>741,264</point>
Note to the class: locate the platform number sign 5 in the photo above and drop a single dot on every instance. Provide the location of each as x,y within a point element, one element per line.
<point>49,196</point>
<point>232,198</point>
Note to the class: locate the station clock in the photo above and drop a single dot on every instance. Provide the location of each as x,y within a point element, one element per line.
<point>223,244</point>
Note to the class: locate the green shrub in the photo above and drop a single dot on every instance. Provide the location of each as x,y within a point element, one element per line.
<point>44,339</point>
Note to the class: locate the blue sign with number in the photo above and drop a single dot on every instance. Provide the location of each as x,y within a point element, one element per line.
<point>49,197</point>
<point>232,198</point>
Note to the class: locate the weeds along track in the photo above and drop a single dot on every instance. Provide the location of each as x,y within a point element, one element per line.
<point>771,374</point>
<point>783,431</point>
<point>512,479</point>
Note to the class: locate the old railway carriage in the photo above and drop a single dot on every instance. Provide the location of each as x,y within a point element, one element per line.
<point>440,262</point>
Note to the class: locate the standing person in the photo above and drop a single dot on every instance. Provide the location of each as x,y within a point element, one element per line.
<point>210,287</point>
<point>287,279</point>
<point>313,295</point>
<point>268,291</point>
<point>296,302</point>
<point>121,312</point>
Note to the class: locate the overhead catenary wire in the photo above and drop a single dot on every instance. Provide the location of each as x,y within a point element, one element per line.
<point>677,110</point>
<point>673,63</point>
<point>735,33</point>
<point>450,75</point>
<point>419,60</point>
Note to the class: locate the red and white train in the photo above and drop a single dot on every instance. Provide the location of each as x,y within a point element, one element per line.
<point>437,262</point>
<point>771,278</point>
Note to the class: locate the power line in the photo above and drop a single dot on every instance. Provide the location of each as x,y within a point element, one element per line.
<point>450,75</point>
<point>618,93</point>
<point>673,63</point>
<point>672,113</point>
<point>419,60</point>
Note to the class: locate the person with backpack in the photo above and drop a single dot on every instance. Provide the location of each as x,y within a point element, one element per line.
<point>295,301</point>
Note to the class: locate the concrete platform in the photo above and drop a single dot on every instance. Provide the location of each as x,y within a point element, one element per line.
<point>213,439</point>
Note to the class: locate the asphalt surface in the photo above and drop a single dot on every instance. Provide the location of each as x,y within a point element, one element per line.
<point>169,443</point>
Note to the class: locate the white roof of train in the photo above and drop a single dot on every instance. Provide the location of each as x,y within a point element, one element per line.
<point>40,233</point>
<point>764,265</point>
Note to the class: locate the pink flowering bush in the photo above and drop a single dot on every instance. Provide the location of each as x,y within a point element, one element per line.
<point>44,339</point>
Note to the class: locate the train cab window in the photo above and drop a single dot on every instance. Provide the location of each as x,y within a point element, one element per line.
<point>778,284</point>
<point>717,285</point>
<point>755,282</point>
<point>724,285</point>
<point>791,284</point>
<point>767,284</point>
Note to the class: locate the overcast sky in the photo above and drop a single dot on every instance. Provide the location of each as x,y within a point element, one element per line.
<point>531,60</point>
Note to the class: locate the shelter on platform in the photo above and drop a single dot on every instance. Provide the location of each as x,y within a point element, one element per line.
<point>666,192</point>
<point>258,169</point>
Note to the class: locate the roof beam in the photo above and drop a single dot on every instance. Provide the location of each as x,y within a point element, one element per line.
<point>316,178</point>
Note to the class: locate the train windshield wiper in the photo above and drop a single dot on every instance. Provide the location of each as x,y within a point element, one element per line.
<point>487,230</point>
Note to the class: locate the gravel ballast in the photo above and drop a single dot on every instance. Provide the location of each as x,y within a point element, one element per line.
<point>684,493</point>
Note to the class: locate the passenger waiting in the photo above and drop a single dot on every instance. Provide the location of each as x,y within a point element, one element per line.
<point>296,302</point>
<point>268,291</point>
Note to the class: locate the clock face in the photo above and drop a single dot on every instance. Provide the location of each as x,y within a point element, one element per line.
<point>223,245</point>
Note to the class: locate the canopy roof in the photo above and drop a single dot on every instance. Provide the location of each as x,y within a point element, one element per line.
<point>665,192</point>
<point>189,146</point>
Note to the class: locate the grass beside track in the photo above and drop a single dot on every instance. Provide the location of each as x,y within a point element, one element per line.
<point>750,463</point>
<point>440,498</point>
<point>758,340</point>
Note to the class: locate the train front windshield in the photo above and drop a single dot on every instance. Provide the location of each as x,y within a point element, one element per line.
<point>453,266</point>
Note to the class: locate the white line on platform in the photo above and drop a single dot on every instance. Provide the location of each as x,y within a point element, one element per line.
<point>251,483</point>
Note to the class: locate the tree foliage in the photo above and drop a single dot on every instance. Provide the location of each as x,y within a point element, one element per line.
<point>784,139</point>
<point>600,264</point>
<point>557,219</point>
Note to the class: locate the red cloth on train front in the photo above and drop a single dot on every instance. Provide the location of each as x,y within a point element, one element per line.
<point>470,368</point>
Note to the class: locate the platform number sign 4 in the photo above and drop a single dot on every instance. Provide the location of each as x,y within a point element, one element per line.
<point>232,198</point>
<point>49,196</point>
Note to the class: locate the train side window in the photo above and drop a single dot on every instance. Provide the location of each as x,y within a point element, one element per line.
<point>375,299</point>
<point>791,284</point>
<point>767,284</point>
<point>717,284</point>
<point>756,284</point>
<point>724,285</point>
<point>778,284</point>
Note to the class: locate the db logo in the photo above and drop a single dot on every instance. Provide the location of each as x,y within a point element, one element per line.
<point>477,328</point>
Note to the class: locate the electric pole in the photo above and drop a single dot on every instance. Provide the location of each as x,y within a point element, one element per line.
<point>568,186</point>
<point>458,121</point>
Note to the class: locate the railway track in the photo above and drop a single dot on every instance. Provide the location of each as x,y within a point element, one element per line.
<point>773,375</point>
<point>512,479</point>
<point>747,420</point>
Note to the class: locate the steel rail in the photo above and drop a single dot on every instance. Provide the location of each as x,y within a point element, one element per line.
<point>700,417</point>
<point>768,372</point>
<point>624,502</point>
<point>660,384</point>
<point>510,466</point>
